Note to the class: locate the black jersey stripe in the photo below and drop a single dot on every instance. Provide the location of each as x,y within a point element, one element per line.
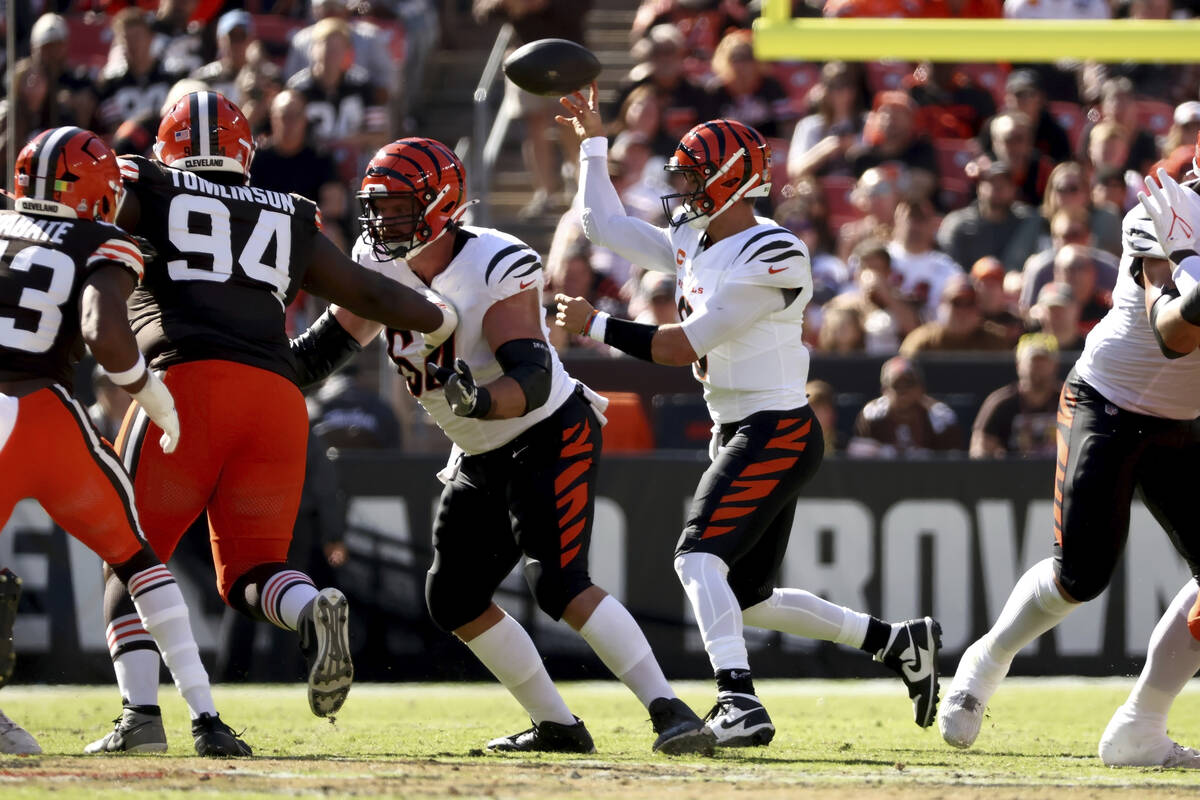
<point>756,237</point>
<point>496,259</point>
<point>783,256</point>
<point>520,262</point>
<point>777,244</point>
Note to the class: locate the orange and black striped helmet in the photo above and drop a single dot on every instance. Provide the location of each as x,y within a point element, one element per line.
<point>205,131</point>
<point>68,172</point>
<point>413,191</point>
<point>722,161</point>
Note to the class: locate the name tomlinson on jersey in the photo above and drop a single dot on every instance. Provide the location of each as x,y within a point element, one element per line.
<point>250,194</point>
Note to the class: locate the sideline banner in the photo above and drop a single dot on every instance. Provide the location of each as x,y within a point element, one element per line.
<point>898,539</point>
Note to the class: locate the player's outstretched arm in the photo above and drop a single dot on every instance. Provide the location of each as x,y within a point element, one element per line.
<point>1176,335</point>
<point>104,324</point>
<point>334,276</point>
<point>662,344</point>
<point>604,219</point>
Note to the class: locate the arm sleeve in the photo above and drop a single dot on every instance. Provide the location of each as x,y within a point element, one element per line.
<point>604,219</point>
<point>729,312</point>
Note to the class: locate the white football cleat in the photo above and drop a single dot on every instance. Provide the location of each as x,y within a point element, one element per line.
<point>739,720</point>
<point>15,740</point>
<point>1132,742</point>
<point>975,681</point>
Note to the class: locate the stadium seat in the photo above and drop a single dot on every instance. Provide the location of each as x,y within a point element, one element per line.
<point>836,189</point>
<point>90,40</point>
<point>885,76</point>
<point>1071,117</point>
<point>681,421</point>
<point>798,77</point>
<point>1155,116</point>
<point>628,429</point>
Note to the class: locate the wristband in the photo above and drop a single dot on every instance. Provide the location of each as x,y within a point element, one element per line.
<point>129,376</point>
<point>596,325</point>
<point>630,337</point>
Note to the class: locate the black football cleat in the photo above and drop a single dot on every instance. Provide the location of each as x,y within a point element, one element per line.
<point>679,730</point>
<point>214,738</point>
<point>912,654</point>
<point>546,737</point>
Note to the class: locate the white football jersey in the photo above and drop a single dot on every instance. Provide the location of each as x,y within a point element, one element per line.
<point>1121,359</point>
<point>490,267</point>
<point>764,367</point>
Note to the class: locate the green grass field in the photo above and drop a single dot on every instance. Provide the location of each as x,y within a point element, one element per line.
<point>841,739</point>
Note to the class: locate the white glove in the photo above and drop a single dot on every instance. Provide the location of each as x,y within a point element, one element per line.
<point>160,406</point>
<point>1175,212</point>
<point>434,339</point>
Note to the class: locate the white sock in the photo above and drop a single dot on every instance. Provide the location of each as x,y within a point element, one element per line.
<point>508,652</point>
<point>613,635</point>
<point>284,595</point>
<point>802,613</point>
<point>718,614</point>
<point>137,676</point>
<point>1034,607</point>
<point>1173,658</point>
<point>165,615</point>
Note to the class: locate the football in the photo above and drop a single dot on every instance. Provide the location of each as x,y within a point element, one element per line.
<point>552,67</point>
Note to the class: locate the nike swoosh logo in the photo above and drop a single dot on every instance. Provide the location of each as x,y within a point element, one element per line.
<point>773,270</point>
<point>920,667</point>
<point>527,284</point>
<point>727,724</point>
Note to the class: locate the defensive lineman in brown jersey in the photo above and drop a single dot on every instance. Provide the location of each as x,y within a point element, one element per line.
<point>64,276</point>
<point>210,311</point>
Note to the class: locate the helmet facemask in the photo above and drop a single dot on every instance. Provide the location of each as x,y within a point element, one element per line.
<point>397,223</point>
<point>698,206</point>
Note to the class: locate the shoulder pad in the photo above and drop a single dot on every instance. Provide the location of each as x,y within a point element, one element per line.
<point>773,256</point>
<point>139,169</point>
<point>306,208</point>
<point>512,266</point>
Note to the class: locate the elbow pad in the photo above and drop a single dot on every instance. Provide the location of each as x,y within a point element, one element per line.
<point>527,361</point>
<point>322,350</point>
<point>1166,297</point>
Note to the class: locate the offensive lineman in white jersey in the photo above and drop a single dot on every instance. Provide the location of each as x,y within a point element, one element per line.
<point>521,478</point>
<point>1126,421</point>
<point>741,283</point>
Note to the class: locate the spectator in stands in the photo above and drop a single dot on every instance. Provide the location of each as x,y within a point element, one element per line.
<point>134,82</point>
<point>1185,128</point>
<point>1165,81</point>
<point>108,411</point>
<point>904,422</point>
<point>805,215</point>
<point>1023,92</point>
<point>1020,419</point>
<point>641,182</point>
<point>370,50</point>
<point>1057,9</point>
<point>923,270</point>
<point>890,135</point>
<point>1069,228</point>
<point>347,413</point>
<point>959,324</point>
<point>876,196</point>
<point>235,31</point>
<point>344,107</point>
<point>256,86</point>
<point>642,114</point>
<point>823,401</point>
<point>1110,191</point>
<point>1108,145</point>
<point>988,226</point>
<point>177,41</point>
<point>288,162</point>
<point>682,102</point>
<point>31,107</point>
<point>1012,143</point>
<point>1057,312</point>
<point>700,25</point>
<point>949,104</point>
<point>1118,105</point>
<point>656,294</point>
<point>73,96</point>
<point>886,314</point>
<point>532,20</point>
<point>987,276</point>
<point>422,35</point>
<point>1075,266</point>
<point>574,276</point>
<point>743,89</point>
<point>822,140</point>
<point>1068,189</point>
<point>842,331</point>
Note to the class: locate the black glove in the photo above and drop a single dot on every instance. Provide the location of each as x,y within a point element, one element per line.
<point>465,398</point>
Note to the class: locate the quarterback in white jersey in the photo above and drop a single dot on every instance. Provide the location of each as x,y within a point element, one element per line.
<point>741,286</point>
<point>1126,421</point>
<point>521,484</point>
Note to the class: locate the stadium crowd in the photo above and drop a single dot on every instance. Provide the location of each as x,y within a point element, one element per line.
<point>946,207</point>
